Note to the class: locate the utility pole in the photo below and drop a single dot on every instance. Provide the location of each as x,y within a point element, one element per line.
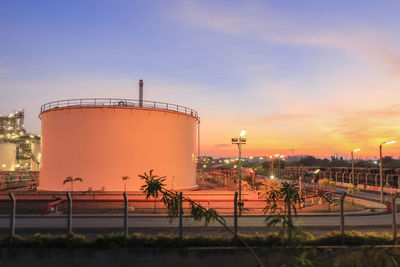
<point>352,164</point>
<point>239,141</point>
<point>380,165</point>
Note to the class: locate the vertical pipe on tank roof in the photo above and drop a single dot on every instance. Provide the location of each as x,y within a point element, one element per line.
<point>141,93</point>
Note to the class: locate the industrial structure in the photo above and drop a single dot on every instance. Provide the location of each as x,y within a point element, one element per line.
<point>101,140</point>
<point>19,152</point>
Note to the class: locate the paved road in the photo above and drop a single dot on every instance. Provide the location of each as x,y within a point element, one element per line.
<point>373,196</point>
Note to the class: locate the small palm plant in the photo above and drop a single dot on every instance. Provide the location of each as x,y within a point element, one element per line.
<point>281,202</point>
<point>245,185</point>
<point>352,188</point>
<point>154,185</point>
<point>124,178</point>
<point>71,180</point>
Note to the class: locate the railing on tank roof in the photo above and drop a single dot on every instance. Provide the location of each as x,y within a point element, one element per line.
<point>100,102</point>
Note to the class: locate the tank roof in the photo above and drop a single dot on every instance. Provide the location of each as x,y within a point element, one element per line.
<point>115,102</point>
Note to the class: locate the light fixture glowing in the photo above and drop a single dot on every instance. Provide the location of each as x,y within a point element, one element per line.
<point>272,177</point>
<point>389,142</point>
<point>243,133</point>
<point>355,150</point>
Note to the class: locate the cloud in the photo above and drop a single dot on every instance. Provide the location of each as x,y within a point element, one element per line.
<point>260,23</point>
<point>284,117</point>
<point>222,145</point>
<point>368,125</point>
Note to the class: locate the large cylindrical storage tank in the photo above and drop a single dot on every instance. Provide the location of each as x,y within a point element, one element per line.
<point>8,153</point>
<point>103,140</point>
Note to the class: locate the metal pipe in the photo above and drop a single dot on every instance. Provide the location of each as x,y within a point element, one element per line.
<point>141,93</point>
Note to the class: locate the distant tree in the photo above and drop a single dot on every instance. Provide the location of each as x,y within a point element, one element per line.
<point>71,180</point>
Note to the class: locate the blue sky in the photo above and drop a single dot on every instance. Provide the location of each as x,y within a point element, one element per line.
<point>297,74</point>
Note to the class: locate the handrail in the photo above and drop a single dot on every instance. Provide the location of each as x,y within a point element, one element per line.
<point>101,102</point>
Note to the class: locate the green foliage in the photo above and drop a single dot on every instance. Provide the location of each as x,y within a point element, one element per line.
<point>352,238</point>
<point>69,179</point>
<point>154,187</point>
<point>116,240</point>
<point>153,184</point>
<point>325,182</point>
<point>45,241</point>
<point>352,188</point>
<point>278,213</point>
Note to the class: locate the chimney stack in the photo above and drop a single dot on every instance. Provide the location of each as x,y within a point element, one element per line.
<point>141,93</point>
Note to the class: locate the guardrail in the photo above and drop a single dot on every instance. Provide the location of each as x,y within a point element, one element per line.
<point>15,179</point>
<point>107,102</point>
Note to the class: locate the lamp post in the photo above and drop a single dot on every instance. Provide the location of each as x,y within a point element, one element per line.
<point>352,164</point>
<point>240,141</point>
<point>380,164</point>
<point>272,168</point>
<point>272,176</point>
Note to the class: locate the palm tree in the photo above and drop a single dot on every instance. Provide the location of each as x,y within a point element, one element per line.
<point>245,185</point>
<point>124,178</point>
<point>71,180</point>
<point>351,189</point>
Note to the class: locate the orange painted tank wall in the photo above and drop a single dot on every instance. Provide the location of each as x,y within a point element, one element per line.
<point>101,144</point>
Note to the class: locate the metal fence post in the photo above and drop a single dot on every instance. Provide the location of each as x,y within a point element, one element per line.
<point>342,216</point>
<point>394,225</point>
<point>12,214</point>
<point>180,217</point>
<point>235,210</point>
<point>125,216</point>
<point>69,214</point>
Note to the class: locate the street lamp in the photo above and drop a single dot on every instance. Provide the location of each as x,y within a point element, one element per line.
<point>380,164</point>
<point>240,141</point>
<point>352,164</point>
<point>272,175</point>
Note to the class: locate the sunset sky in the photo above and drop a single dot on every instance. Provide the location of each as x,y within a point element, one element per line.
<point>319,77</point>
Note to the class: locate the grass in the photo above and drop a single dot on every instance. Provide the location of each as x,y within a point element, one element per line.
<point>116,240</point>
